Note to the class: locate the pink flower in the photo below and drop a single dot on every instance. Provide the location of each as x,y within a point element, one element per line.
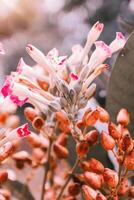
<point>23,131</point>
<point>118,43</point>
<point>104,48</point>
<point>54,58</point>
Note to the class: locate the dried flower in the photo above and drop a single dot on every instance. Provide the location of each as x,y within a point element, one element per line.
<point>110,177</point>
<point>107,141</point>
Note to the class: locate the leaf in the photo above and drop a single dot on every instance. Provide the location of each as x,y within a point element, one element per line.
<point>121,83</point>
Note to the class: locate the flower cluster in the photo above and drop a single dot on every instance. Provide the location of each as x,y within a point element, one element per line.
<point>59,89</point>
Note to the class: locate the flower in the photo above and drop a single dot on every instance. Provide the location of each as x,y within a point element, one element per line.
<point>118,43</point>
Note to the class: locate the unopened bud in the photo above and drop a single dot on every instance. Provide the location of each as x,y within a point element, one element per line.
<point>107,141</point>
<point>94,166</point>
<point>91,137</point>
<point>110,177</point>
<point>123,117</point>
<point>60,151</point>
<point>88,192</point>
<point>82,149</point>
<point>91,117</point>
<point>93,179</point>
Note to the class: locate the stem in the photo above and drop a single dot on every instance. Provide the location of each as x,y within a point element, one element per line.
<point>46,170</point>
<point>68,179</point>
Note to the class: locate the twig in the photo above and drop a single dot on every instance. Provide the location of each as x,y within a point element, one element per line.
<point>46,170</point>
<point>68,179</point>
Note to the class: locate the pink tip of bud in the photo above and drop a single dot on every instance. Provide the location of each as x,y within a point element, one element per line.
<point>23,131</point>
<point>18,101</point>
<point>74,76</point>
<point>119,36</point>
<point>6,89</point>
<point>62,60</point>
<point>99,26</point>
<point>2,51</point>
<point>104,47</point>
<point>29,48</point>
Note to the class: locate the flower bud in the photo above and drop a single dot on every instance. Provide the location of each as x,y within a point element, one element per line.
<point>30,113</point>
<point>100,196</point>
<point>126,143</point>
<point>91,117</point>
<point>60,151</point>
<point>88,193</point>
<point>107,141</point>
<point>123,117</point>
<point>93,179</point>
<point>38,123</point>
<point>91,137</point>
<point>5,151</point>
<point>129,161</point>
<point>131,191</point>
<point>74,189</point>
<point>110,177</point>
<point>82,149</point>
<point>103,115</point>
<point>113,131</point>
<point>3,176</point>
<point>124,187</point>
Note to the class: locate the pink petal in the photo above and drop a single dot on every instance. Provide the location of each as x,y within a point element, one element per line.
<point>120,36</point>
<point>20,65</point>
<point>23,131</point>
<point>2,51</point>
<point>74,76</point>
<point>18,101</point>
<point>104,47</point>
<point>6,89</point>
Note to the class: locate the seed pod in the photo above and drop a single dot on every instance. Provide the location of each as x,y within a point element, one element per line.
<point>123,117</point>
<point>126,143</point>
<point>129,161</point>
<point>62,139</point>
<point>124,187</point>
<point>107,141</point>
<point>38,123</point>
<point>100,196</point>
<point>6,150</point>
<point>3,117</point>
<point>110,177</point>
<point>60,151</point>
<point>131,191</point>
<point>88,193</point>
<point>93,179</point>
<point>5,194</point>
<point>113,131</point>
<point>82,149</point>
<point>30,113</point>
<point>91,137</point>
<point>91,118</point>
<point>103,115</point>
<point>60,117</point>
<point>3,176</point>
<point>74,189</point>
<point>34,140</point>
<point>94,166</point>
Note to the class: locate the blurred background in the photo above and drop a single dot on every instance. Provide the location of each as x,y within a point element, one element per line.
<point>60,24</point>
